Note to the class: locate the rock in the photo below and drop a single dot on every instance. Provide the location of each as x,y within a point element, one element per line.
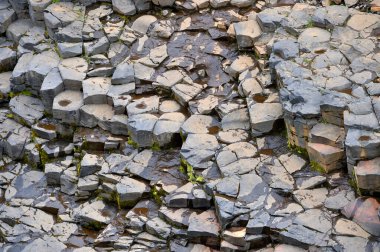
<point>163,3</point>
<point>352,243</point>
<point>143,105</point>
<point>241,64</point>
<point>263,117</point>
<point>8,59</point>
<point>183,93</point>
<point>61,14</point>
<point>203,225</point>
<point>176,216</point>
<point>141,129</point>
<point>143,23</point>
<point>315,219</point>
<point>51,87</point>
<point>200,124</point>
<point>247,33</point>
<point>73,72</point>
<point>39,66</point>
<point>96,47</point>
<point>129,191</point>
<point>310,198</point>
<point>53,173</point>
<point>66,106</point>
<point>347,227</point>
<point>44,243</point>
<point>27,108</point>
<point>328,157</point>
<point>69,50</point>
<point>199,149</point>
<point>124,73</point>
<point>367,174</point>
<point>158,227</point>
<point>95,90</point>
<point>5,85</point>
<point>339,198</point>
<point>88,183</point>
<point>219,3</point>
<point>286,49</point>
<point>292,162</point>
<point>167,128</point>
<point>7,15</point>
<point>124,7</point>
<point>18,28</point>
<point>364,211</point>
<point>69,181</point>
<point>313,39</point>
<point>90,164</point>
<point>188,195</point>
<point>29,185</point>
<point>143,72</point>
<point>94,214</point>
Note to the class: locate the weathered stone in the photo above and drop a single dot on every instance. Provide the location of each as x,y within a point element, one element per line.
<point>129,191</point>
<point>141,128</point>
<point>203,225</point>
<point>247,33</point>
<point>199,149</point>
<point>66,106</point>
<point>27,108</point>
<point>311,198</point>
<point>73,72</point>
<point>364,211</point>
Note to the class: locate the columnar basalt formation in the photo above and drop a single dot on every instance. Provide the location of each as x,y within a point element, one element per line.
<point>189,125</point>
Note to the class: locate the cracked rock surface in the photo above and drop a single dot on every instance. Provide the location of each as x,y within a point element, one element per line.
<point>189,125</point>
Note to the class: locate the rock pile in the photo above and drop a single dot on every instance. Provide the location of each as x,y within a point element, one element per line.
<point>190,125</point>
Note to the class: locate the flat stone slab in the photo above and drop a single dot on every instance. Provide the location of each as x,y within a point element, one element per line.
<point>27,108</point>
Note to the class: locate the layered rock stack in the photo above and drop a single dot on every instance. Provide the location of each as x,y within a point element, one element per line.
<point>159,125</point>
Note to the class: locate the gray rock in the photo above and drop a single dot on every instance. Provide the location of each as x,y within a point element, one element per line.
<point>27,108</point>
<point>69,50</point>
<point>247,33</point>
<point>200,124</point>
<point>168,127</point>
<point>130,190</point>
<point>143,105</point>
<point>141,129</point>
<point>203,225</point>
<point>53,173</point>
<point>124,7</point>
<point>263,117</point>
<point>96,47</point>
<point>158,227</point>
<point>18,28</point>
<point>124,73</point>
<point>311,198</point>
<point>143,23</point>
<point>73,72</point>
<point>95,90</point>
<point>90,164</point>
<point>39,66</point>
<point>199,149</point>
<point>66,106</point>
<point>51,87</point>
<point>8,59</point>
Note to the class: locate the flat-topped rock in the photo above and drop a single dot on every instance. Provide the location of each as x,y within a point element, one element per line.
<point>73,72</point>
<point>95,90</point>
<point>66,106</point>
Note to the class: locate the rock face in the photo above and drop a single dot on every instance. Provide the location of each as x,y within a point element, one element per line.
<point>191,125</point>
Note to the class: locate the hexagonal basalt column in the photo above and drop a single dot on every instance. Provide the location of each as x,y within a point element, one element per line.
<point>66,106</point>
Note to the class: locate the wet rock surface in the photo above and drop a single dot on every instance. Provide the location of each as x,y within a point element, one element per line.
<point>191,125</point>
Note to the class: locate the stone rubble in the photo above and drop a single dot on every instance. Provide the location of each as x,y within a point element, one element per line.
<point>189,125</point>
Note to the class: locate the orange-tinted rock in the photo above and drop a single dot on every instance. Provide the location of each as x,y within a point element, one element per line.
<point>368,174</point>
<point>365,212</point>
